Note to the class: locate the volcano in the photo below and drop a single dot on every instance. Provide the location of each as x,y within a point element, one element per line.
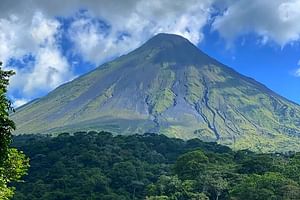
<point>168,86</point>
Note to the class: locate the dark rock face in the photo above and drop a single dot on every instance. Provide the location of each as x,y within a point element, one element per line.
<point>168,86</point>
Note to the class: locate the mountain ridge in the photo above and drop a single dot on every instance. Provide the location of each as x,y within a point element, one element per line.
<point>168,86</point>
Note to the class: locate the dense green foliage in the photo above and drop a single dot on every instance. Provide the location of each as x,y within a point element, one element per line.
<point>13,164</point>
<point>6,125</point>
<point>99,166</point>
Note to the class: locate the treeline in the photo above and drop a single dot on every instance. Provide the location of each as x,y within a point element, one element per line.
<point>98,166</point>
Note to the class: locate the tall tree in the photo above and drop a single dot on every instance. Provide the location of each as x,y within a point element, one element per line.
<point>13,163</point>
<point>6,125</point>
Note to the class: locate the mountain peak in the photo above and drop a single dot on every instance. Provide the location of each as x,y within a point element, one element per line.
<point>168,40</point>
<point>168,37</point>
<point>174,48</point>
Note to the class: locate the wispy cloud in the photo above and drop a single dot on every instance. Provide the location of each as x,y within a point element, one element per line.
<point>297,71</point>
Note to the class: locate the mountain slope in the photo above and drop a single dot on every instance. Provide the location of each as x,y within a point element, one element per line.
<point>168,86</point>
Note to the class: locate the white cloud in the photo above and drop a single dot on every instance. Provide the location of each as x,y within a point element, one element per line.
<point>49,67</point>
<point>88,39</point>
<point>50,70</point>
<point>276,21</point>
<point>141,20</point>
<point>297,72</point>
<point>12,42</point>
<point>43,30</point>
<point>19,102</point>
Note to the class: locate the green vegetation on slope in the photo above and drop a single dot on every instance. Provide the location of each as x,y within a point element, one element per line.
<point>98,166</point>
<point>161,95</point>
<point>195,88</point>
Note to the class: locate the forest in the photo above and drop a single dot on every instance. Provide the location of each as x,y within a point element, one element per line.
<point>100,166</point>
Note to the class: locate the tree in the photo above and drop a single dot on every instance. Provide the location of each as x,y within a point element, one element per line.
<point>13,164</point>
<point>213,184</point>
<point>191,164</point>
<point>172,188</point>
<point>267,186</point>
<point>6,125</point>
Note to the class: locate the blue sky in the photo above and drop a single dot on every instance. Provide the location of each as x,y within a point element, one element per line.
<point>51,42</point>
